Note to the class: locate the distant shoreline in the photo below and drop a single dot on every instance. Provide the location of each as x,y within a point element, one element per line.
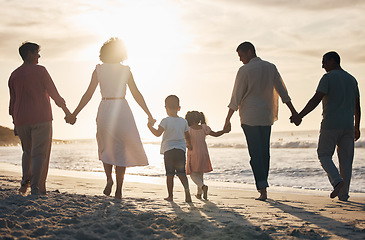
<point>8,138</point>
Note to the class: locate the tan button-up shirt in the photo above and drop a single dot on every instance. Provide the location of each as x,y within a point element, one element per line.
<point>257,87</point>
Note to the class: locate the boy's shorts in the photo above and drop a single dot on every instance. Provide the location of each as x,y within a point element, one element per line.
<point>175,162</point>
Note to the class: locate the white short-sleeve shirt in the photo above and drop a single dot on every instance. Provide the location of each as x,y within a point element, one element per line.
<point>174,133</point>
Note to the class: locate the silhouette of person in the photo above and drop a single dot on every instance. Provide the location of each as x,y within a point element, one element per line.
<point>255,94</point>
<point>119,143</point>
<point>338,90</point>
<point>30,88</point>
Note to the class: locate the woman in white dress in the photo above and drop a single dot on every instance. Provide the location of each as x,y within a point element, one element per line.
<point>119,143</point>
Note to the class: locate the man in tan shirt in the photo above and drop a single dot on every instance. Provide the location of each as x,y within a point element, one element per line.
<point>255,94</point>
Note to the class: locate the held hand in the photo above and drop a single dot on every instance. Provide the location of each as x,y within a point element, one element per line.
<point>70,118</point>
<point>227,128</point>
<point>296,119</point>
<point>188,146</point>
<point>151,122</point>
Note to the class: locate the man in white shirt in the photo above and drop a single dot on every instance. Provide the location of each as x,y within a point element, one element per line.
<point>255,94</point>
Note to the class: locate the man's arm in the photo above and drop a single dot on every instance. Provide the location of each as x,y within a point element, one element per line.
<point>227,124</point>
<point>12,98</point>
<point>294,113</point>
<point>291,108</point>
<point>311,105</point>
<point>357,118</point>
<point>53,93</point>
<point>239,90</point>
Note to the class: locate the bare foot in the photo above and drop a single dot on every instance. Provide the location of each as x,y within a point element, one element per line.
<point>118,196</point>
<point>198,196</point>
<point>336,190</point>
<point>205,192</point>
<point>187,196</point>
<point>108,188</point>
<point>23,189</point>
<point>169,198</point>
<point>263,195</point>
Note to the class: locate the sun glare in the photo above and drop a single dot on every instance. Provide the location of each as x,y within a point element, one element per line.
<point>153,33</point>
<point>150,29</point>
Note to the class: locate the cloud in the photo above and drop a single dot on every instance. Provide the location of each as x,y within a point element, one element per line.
<point>309,5</point>
<point>46,22</point>
<point>308,26</point>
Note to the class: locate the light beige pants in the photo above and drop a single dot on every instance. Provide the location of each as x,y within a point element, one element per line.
<point>36,142</point>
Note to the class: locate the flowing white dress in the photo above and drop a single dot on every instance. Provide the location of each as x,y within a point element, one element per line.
<point>118,139</point>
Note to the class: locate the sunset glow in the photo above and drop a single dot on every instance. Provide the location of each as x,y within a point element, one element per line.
<point>184,48</point>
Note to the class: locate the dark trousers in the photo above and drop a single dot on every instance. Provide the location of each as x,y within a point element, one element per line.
<point>258,142</point>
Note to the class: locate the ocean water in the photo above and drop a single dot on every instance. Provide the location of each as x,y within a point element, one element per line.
<point>293,163</point>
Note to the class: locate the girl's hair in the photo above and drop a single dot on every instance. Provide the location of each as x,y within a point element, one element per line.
<point>195,117</point>
<point>113,51</point>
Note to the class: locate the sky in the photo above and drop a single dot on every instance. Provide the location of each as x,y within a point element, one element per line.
<point>186,48</point>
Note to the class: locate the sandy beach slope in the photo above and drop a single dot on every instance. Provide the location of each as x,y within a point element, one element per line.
<point>75,209</point>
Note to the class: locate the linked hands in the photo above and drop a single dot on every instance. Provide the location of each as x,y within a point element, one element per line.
<point>151,122</point>
<point>296,119</point>
<point>70,118</point>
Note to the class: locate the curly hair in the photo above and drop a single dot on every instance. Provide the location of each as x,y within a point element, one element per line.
<point>113,51</point>
<point>194,117</point>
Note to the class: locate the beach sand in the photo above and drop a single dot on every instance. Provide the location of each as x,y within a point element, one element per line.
<point>75,208</point>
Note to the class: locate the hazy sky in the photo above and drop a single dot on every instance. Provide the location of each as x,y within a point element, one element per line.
<point>185,48</point>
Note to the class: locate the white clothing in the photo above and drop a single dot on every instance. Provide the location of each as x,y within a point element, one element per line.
<point>174,133</point>
<point>198,179</point>
<point>118,139</point>
<point>255,93</point>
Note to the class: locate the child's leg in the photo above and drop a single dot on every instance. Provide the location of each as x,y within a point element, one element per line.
<point>185,183</point>
<point>170,187</point>
<point>197,178</point>
<point>204,187</point>
<point>109,180</point>
<point>119,172</point>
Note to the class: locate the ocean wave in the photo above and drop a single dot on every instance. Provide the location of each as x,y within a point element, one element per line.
<point>280,144</point>
<point>360,144</point>
<point>275,144</point>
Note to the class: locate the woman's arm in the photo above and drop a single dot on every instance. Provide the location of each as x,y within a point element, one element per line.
<point>138,96</point>
<point>87,95</point>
